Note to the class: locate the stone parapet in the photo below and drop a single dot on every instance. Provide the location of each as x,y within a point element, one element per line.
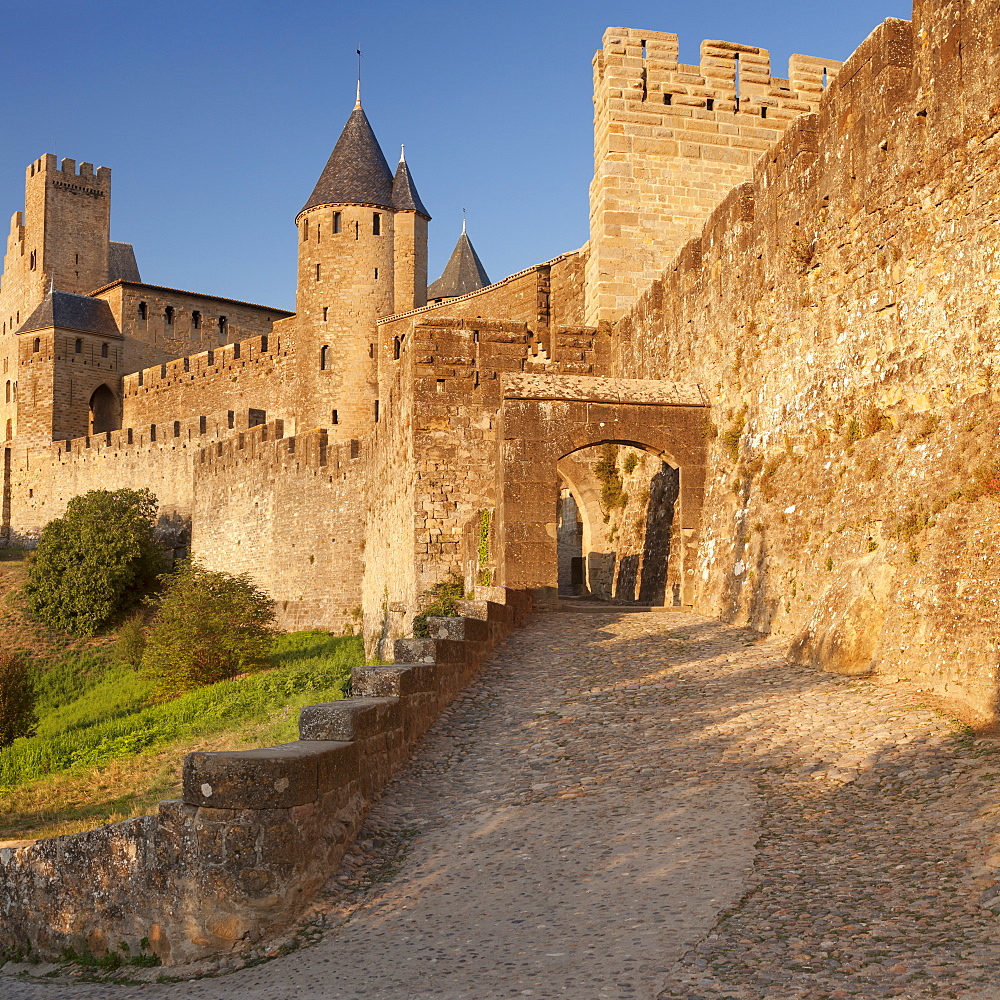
<point>256,832</point>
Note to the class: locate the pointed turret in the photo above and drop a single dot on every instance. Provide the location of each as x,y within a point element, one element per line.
<point>404,191</point>
<point>357,172</point>
<point>463,273</point>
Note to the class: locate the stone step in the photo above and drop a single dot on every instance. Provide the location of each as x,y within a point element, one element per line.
<point>428,651</point>
<point>393,680</point>
<point>459,628</point>
<point>349,719</point>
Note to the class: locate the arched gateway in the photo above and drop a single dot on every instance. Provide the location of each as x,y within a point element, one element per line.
<point>544,418</point>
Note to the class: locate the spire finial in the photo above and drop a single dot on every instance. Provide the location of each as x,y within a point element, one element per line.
<point>463,220</point>
<point>402,153</point>
<point>357,103</point>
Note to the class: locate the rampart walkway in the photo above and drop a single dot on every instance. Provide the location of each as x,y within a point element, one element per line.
<point>644,805</point>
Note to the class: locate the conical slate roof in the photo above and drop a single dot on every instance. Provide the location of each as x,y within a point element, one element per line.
<point>69,311</point>
<point>463,273</point>
<point>356,173</point>
<point>404,192</point>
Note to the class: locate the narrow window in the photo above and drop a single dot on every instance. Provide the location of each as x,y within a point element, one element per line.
<point>737,79</point>
<point>263,344</point>
<point>8,391</point>
<point>475,336</point>
<point>33,260</point>
<point>709,104</point>
<point>643,48</point>
<point>376,411</point>
<point>140,378</point>
<point>333,417</point>
<point>163,371</point>
<point>376,224</point>
<point>231,419</point>
<point>187,364</point>
<point>336,222</point>
<point>395,349</point>
<point>371,350</point>
<point>826,79</point>
<point>142,310</point>
<point>129,435</point>
<point>168,314</point>
<point>152,432</point>
<point>305,230</point>
<point>256,417</point>
<point>318,236</point>
<point>177,428</point>
<point>440,385</point>
<point>667,98</point>
<point>196,320</point>
<point>236,352</point>
<point>356,230</point>
<point>104,350</point>
<point>76,258</point>
<point>37,346</point>
<point>202,425</point>
<point>763,111</point>
<point>326,313</point>
<point>211,357</point>
<point>78,346</point>
<point>376,274</point>
<point>223,327</point>
<point>317,272</point>
<point>324,358</point>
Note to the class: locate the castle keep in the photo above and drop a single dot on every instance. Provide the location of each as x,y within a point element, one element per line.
<point>768,323</point>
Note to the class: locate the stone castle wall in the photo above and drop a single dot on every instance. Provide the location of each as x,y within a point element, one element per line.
<point>670,141</point>
<point>840,311</point>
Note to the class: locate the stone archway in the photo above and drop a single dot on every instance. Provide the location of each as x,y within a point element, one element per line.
<point>543,419</point>
<point>105,411</point>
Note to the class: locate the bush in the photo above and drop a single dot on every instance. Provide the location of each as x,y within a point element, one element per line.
<point>443,598</point>
<point>96,561</point>
<point>606,471</point>
<point>17,698</point>
<point>131,643</point>
<point>209,627</point>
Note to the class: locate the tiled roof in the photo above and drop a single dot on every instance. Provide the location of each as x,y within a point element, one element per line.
<point>404,192</point>
<point>356,173</point>
<point>69,311</point>
<point>121,262</point>
<point>463,273</point>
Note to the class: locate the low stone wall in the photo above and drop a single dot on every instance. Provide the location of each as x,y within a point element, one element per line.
<point>257,832</point>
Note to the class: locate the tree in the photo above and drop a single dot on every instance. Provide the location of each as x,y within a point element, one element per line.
<point>17,698</point>
<point>209,626</point>
<point>97,560</point>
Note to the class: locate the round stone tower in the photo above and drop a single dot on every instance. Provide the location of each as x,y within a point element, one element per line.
<point>346,279</point>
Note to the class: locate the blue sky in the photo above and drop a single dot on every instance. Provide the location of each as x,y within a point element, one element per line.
<point>217,117</point>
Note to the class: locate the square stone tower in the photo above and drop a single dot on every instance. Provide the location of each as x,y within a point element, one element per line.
<point>670,141</point>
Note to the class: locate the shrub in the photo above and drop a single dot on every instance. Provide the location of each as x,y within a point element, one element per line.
<point>444,598</point>
<point>17,698</point>
<point>131,643</point>
<point>95,561</point>
<point>210,626</point>
<point>631,461</point>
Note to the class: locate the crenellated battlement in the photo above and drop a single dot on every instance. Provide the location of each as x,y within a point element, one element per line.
<point>213,363</point>
<point>65,172</point>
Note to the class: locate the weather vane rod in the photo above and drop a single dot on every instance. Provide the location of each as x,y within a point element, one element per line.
<point>358,103</point>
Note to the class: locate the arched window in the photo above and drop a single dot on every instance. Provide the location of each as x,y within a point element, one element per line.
<point>336,222</point>
<point>78,346</point>
<point>223,327</point>
<point>324,358</point>
<point>104,350</point>
<point>142,310</point>
<point>37,346</point>
<point>395,348</point>
<point>196,320</point>
<point>376,224</point>
<point>105,411</point>
<point>8,392</point>
<point>33,263</point>
<point>168,314</point>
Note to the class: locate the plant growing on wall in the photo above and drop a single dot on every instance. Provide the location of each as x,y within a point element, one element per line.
<point>97,560</point>
<point>484,548</point>
<point>17,698</point>
<point>209,627</point>
<point>443,601</point>
<point>613,496</point>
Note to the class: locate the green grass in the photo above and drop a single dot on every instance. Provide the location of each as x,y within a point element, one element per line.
<point>93,711</point>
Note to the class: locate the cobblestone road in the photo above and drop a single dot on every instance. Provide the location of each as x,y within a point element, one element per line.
<point>656,805</point>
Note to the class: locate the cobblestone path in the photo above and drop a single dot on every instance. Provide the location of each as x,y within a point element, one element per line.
<point>656,806</point>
